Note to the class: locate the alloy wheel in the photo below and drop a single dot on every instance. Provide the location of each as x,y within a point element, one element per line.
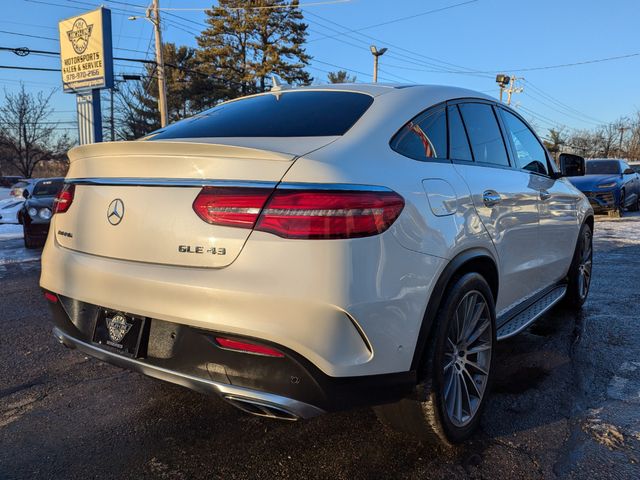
<point>467,358</point>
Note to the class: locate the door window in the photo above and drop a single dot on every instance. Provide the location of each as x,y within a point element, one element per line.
<point>484,134</point>
<point>458,142</point>
<point>529,154</point>
<point>423,138</point>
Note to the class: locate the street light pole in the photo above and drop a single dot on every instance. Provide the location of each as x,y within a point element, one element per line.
<point>162,88</point>
<point>376,53</point>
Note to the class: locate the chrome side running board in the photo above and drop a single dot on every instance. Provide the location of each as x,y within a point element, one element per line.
<point>251,401</point>
<point>526,317</point>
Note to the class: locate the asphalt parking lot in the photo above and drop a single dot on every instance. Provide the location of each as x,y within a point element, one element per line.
<point>565,404</point>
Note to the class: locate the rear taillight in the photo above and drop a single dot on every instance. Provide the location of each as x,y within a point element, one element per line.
<point>301,213</point>
<point>63,200</point>
<point>325,214</point>
<point>231,206</point>
<point>248,347</point>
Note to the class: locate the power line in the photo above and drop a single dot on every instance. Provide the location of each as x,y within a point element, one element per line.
<point>40,69</point>
<point>561,65</point>
<point>399,19</point>
<point>560,103</point>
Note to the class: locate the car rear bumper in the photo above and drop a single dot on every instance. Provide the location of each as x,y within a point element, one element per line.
<point>349,309</point>
<point>288,388</point>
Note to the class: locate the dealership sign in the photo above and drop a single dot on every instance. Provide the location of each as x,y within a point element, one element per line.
<point>85,51</point>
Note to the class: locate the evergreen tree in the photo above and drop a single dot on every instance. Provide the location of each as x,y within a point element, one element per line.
<point>244,45</point>
<point>138,103</point>
<point>341,76</point>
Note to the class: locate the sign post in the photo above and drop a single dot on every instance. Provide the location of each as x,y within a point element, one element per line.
<point>86,55</point>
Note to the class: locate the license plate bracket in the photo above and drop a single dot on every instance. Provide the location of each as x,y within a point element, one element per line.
<point>120,332</point>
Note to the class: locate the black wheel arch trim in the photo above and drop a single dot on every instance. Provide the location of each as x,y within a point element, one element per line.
<point>454,266</point>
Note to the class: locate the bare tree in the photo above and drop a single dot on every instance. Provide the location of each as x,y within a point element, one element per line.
<point>556,139</point>
<point>27,134</point>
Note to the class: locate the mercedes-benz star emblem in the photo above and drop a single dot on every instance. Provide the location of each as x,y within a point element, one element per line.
<point>118,327</point>
<point>115,212</point>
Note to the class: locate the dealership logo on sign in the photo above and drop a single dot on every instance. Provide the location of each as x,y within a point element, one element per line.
<point>79,35</point>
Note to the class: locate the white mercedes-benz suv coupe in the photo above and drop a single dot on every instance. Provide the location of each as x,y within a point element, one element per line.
<point>313,249</point>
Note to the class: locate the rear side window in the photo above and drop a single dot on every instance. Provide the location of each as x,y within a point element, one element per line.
<point>423,138</point>
<point>529,154</point>
<point>288,114</point>
<point>484,134</point>
<point>458,143</point>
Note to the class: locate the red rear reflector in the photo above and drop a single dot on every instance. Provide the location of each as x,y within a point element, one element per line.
<point>301,214</point>
<point>246,347</point>
<point>325,214</point>
<point>231,206</point>
<point>51,297</point>
<point>63,200</point>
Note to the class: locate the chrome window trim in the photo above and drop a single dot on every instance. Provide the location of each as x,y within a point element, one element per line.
<point>168,182</point>
<point>191,182</point>
<point>333,186</point>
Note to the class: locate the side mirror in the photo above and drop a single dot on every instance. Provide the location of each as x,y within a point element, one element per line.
<point>25,193</point>
<point>572,165</point>
<point>629,171</point>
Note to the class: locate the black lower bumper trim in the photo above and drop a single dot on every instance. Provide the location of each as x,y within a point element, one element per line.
<point>191,357</point>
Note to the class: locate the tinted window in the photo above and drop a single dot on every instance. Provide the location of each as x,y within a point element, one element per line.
<point>291,114</point>
<point>636,168</point>
<point>424,137</point>
<point>458,143</point>
<point>603,167</point>
<point>529,154</point>
<point>484,134</point>
<point>47,188</point>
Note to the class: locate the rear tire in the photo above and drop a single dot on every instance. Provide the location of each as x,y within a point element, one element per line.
<point>579,277</point>
<point>458,366</point>
<point>636,205</point>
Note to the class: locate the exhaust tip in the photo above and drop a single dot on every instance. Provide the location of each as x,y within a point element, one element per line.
<point>261,409</point>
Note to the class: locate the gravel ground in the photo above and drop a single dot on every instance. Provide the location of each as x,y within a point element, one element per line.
<point>565,402</point>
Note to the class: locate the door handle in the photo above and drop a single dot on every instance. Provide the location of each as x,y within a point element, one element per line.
<point>544,195</point>
<point>491,198</point>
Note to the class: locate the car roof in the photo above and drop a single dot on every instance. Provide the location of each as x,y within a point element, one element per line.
<point>377,89</point>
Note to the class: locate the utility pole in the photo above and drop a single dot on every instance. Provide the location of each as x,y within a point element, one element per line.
<point>162,88</point>
<point>622,129</point>
<point>113,125</point>
<point>512,88</point>
<point>376,53</point>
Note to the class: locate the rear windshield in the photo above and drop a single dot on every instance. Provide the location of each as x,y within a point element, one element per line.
<point>47,188</point>
<point>603,167</point>
<point>290,114</point>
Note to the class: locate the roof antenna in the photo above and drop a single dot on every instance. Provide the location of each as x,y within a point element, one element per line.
<point>277,85</point>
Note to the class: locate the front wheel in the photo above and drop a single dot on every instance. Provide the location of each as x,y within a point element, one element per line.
<point>579,277</point>
<point>458,368</point>
<point>618,212</point>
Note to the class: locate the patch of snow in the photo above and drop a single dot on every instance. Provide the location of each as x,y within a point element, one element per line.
<point>10,232</point>
<point>623,230</point>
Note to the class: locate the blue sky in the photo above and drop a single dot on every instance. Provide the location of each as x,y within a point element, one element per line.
<point>464,45</point>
